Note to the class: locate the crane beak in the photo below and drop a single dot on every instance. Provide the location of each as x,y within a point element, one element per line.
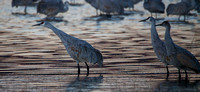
<point>37,24</point>
<point>144,20</point>
<point>159,25</point>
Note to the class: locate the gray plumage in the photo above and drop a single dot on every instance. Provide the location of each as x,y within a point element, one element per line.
<point>136,1</point>
<point>190,3</point>
<point>158,45</point>
<point>25,3</point>
<point>107,6</point>
<point>79,50</point>
<point>52,7</point>
<point>197,6</point>
<point>154,6</point>
<point>94,3</point>
<point>181,8</point>
<point>127,3</point>
<point>180,57</point>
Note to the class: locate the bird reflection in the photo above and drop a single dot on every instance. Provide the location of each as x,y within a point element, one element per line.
<point>85,84</point>
<point>178,86</point>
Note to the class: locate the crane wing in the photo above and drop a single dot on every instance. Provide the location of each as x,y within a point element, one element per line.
<point>187,59</point>
<point>84,52</point>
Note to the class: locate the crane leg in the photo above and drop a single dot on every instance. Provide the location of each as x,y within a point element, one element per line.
<point>97,12</point>
<point>25,9</point>
<point>186,76</point>
<point>167,72</point>
<point>179,18</point>
<point>184,18</point>
<point>179,72</point>
<point>156,15</point>
<point>78,69</point>
<point>87,68</point>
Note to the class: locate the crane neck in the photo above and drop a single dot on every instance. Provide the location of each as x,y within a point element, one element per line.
<point>170,46</point>
<point>168,38</point>
<point>154,34</point>
<point>55,30</point>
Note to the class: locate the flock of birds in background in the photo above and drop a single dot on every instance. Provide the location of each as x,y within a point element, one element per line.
<point>81,51</point>
<point>52,7</point>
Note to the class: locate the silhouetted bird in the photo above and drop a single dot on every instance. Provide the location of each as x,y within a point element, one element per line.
<point>154,6</point>
<point>127,4</point>
<point>181,8</point>
<point>136,1</point>
<point>107,6</point>
<point>23,3</point>
<point>52,7</point>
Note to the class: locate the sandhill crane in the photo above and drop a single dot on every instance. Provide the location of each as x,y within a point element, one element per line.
<point>180,8</point>
<point>180,57</point>
<point>154,6</point>
<point>79,50</point>
<point>127,4</point>
<point>191,3</point>
<point>23,3</point>
<point>94,3</point>
<point>136,1</point>
<point>158,45</point>
<point>52,7</point>
<point>107,6</point>
<point>197,6</point>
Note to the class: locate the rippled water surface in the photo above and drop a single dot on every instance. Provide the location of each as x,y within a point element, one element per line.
<point>33,59</point>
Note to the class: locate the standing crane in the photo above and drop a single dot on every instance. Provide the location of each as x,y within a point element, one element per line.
<point>180,8</point>
<point>154,6</point>
<point>22,3</point>
<point>52,7</point>
<point>158,45</point>
<point>107,6</point>
<point>180,57</point>
<point>79,50</point>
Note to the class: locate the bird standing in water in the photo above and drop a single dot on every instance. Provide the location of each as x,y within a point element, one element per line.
<point>180,57</point>
<point>154,6</point>
<point>52,7</point>
<point>158,45</point>
<point>79,50</point>
<point>180,8</point>
<point>23,3</point>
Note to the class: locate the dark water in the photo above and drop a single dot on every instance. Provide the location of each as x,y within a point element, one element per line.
<point>33,59</point>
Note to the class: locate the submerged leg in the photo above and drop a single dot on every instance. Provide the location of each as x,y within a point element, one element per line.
<point>25,9</point>
<point>186,76</point>
<point>156,15</point>
<point>78,69</point>
<point>184,18</point>
<point>167,72</point>
<point>97,12</point>
<point>179,18</point>
<point>87,68</point>
<point>179,72</point>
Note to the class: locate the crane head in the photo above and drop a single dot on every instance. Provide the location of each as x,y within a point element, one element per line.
<point>39,24</point>
<point>149,18</point>
<point>43,23</point>
<point>165,23</point>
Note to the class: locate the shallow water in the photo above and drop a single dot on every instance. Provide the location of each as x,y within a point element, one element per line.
<point>33,59</point>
